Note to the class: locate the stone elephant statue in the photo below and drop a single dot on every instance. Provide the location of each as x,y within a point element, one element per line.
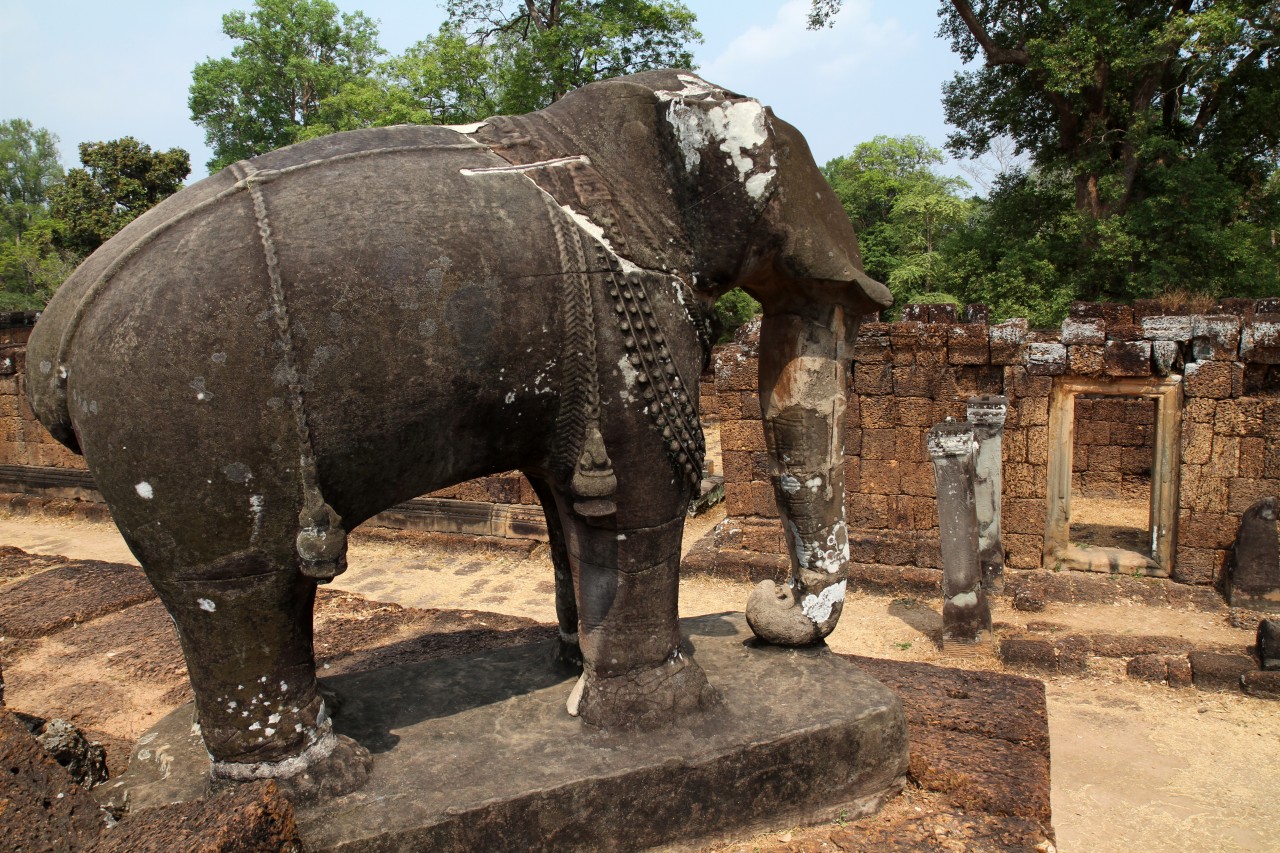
<point>279,352</point>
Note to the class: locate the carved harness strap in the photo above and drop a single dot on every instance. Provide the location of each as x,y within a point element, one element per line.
<point>580,456</point>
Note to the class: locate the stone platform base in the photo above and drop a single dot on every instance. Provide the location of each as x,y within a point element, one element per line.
<point>477,753</point>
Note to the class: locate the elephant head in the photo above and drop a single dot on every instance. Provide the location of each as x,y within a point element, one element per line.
<point>802,264</point>
<point>758,214</point>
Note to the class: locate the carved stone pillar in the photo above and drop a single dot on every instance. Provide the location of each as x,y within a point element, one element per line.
<point>987,414</point>
<point>966,615</point>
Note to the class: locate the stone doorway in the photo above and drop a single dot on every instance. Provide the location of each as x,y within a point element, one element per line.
<point>1110,532</point>
<point>1111,465</point>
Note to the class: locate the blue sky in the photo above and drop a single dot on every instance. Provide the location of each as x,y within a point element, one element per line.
<point>98,70</point>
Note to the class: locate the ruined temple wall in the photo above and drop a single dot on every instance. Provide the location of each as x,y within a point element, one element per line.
<point>23,440</point>
<point>909,375</point>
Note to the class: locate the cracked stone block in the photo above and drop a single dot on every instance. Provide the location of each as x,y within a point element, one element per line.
<point>1046,359</point>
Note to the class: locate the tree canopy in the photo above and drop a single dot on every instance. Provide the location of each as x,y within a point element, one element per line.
<point>29,169</point>
<point>292,54</point>
<point>1151,132</point>
<point>903,210</point>
<point>120,180</point>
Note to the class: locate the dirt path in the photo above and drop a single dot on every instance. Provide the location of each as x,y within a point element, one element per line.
<point>1135,766</point>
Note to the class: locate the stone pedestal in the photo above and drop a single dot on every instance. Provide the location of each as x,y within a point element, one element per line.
<point>477,753</point>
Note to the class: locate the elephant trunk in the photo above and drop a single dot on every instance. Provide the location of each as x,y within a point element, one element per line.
<point>803,382</point>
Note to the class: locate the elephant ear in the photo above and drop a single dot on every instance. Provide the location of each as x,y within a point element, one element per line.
<point>816,239</point>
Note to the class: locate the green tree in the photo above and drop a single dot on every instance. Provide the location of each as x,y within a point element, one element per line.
<point>120,180</point>
<point>903,210</point>
<point>31,269</point>
<point>29,169</point>
<point>292,54</point>
<point>1159,120</point>
<point>539,51</point>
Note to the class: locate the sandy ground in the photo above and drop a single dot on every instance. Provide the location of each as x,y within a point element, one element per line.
<point>1135,766</point>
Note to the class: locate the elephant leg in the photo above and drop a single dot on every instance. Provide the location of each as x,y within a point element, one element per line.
<point>244,622</point>
<point>637,673</point>
<point>568,652</point>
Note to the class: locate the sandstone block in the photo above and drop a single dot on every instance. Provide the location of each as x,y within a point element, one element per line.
<point>1240,417</point>
<point>741,435</point>
<point>1167,328</point>
<point>43,808</point>
<point>1006,341</point>
<point>1215,338</point>
<point>1046,359</point>
<point>873,378</point>
<point>1166,357</point>
<point>1079,330</point>
<point>1224,461</point>
<point>1243,493</point>
<point>968,344</point>
<point>1261,684</point>
<point>734,370</point>
<point>1253,458</point>
<point>1217,671</point>
<point>880,477</point>
<point>1260,342</point>
<point>1085,360</point>
<point>1127,358</point>
<point>1214,379</point>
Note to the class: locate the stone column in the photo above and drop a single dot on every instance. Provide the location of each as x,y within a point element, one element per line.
<point>987,414</point>
<point>966,615</point>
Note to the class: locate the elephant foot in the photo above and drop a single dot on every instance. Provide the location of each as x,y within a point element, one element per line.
<point>333,766</point>
<point>645,699</point>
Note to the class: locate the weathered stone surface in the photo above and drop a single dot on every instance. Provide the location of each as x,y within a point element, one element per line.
<point>1127,645</point>
<point>78,591</point>
<point>1253,579</point>
<point>41,806</point>
<point>1167,328</point>
<point>1269,643</point>
<point>1214,379</point>
<point>1215,337</point>
<point>1006,341</point>
<point>1166,357</point>
<point>83,759</point>
<point>1260,342</point>
<point>1264,684</point>
<point>1077,330</point>
<point>490,713</point>
<point>1218,671</point>
<point>1127,358</point>
<point>963,749</point>
<point>250,818</point>
<point>1046,359</point>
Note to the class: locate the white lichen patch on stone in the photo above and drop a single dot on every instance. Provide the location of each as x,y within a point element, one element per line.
<point>738,128</point>
<point>597,234</point>
<point>510,398</point>
<point>145,491</point>
<point>575,698</point>
<point>206,605</point>
<point>818,607</point>
<point>789,484</point>
<point>965,599</point>
<point>629,379</point>
<point>465,129</point>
